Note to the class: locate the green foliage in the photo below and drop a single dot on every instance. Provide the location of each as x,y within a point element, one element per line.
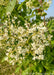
<point>51,26</point>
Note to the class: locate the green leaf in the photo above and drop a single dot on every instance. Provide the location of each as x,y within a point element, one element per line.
<point>10,6</point>
<point>3,59</point>
<point>21,5</point>
<point>52,42</point>
<point>17,69</point>
<point>26,71</point>
<point>22,19</point>
<point>43,14</point>
<point>28,17</point>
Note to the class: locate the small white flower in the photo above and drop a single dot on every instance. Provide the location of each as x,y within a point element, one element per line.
<point>13,20</point>
<point>30,30</point>
<point>8,13</point>
<point>6,31</point>
<point>13,63</point>
<point>41,57</point>
<point>15,17</point>
<point>11,55</point>
<point>49,37</point>
<point>6,58</point>
<point>21,30</point>
<point>0,27</point>
<point>11,26</point>
<point>19,48</point>
<point>7,54</point>
<point>1,38</point>
<point>33,45</point>
<point>27,4</point>
<point>34,58</point>
<point>18,22</point>
<point>9,49</point>
<point>49,2</point>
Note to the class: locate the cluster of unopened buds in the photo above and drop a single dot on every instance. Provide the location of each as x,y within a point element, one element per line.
<point>19,41</point>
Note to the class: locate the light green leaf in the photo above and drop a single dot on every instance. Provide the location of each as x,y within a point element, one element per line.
<point>25,72</point>
<point>21,5</point>
<point>17,69</point>
<point>10,6</point>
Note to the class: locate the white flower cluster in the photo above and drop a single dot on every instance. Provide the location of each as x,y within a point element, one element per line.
<point>19,41</point>
<point>31,5</point>
<point>49,2</point>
